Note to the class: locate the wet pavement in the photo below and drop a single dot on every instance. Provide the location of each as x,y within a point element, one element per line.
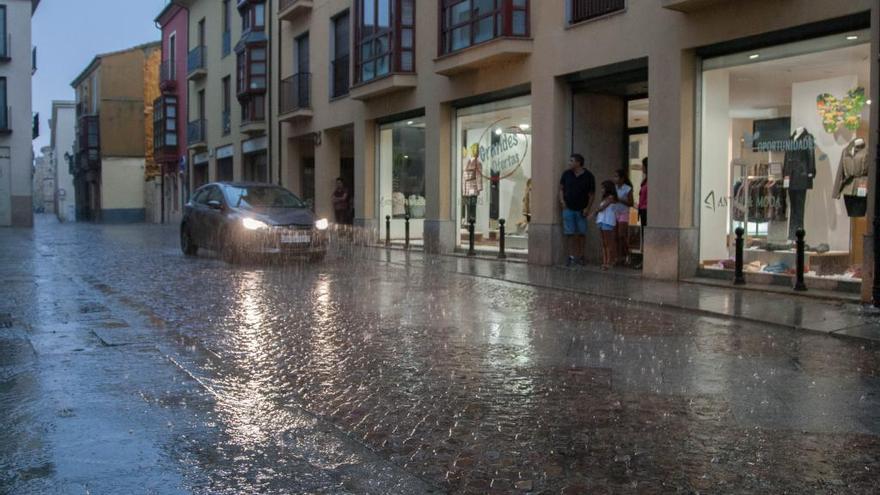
<point>127,368</point>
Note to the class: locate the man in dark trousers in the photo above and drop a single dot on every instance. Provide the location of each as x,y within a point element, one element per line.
<point>577,188</point>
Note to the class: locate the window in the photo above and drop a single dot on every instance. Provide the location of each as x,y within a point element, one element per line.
<point>4,43</point>
<point>253,18</point>
<point>385,34</point>
<point>254,109</point>
<point>252,69</point>
<point>584,10</point>
<point>4,110</point>
<point>227,28</point>
<point>227,107</point>
<point>340,62</point>
<point>165,123</point>
<point>402,177</point>
<point>466,23</point>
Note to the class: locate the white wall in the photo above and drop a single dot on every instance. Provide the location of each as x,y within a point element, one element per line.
<point>715,160</point>
<point>17,71</point>
<point>122,183</point>
<point>63,132</point>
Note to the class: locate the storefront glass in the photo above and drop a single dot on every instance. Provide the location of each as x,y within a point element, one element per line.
<point>494,170</point>
<point>784,145</point>
<point>402,178</point>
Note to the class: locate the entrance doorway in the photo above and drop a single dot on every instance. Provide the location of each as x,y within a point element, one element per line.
<point>610,122</point>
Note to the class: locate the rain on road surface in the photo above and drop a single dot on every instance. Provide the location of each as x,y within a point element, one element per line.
<point>126,367</point>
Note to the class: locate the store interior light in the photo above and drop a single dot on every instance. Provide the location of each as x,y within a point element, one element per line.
<point>852,37</point>
<point>754,56</point>
<point>525,127</point>
<point>411,122</point>
<point>868,102</point>
<point>498,132</point>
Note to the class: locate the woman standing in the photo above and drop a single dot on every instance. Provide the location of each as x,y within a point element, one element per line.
<point>624,190</point>
<point>606,218</point>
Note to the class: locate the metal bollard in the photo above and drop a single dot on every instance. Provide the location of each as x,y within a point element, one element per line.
<point>799,284</point>
<point>501,254</point>
<point>387,230</point>
<point>471,250</point>
<point>406,232</point>
<point>738,277</point>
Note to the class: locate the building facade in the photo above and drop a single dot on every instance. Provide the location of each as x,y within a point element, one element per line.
<point>169,112</point>
<point>114,146</point>
<point>445,111</point>
<point>62,128</point>
<point>43,188</point>
<point>230,76</point>
<point>17,65</point>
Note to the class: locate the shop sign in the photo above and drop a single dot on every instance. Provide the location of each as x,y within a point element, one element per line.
<point>201,158</point>
<point>503,149</point>
<point>254,145</point>
<point>225,152</point>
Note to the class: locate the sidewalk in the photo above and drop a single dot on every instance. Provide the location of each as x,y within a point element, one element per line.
<point>836,318</point>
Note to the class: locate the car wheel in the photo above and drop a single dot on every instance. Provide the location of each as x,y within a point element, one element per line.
<point>187,245</point>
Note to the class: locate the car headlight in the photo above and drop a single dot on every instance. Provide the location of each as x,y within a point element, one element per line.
<point>322,224</point>
<point>251,224</point>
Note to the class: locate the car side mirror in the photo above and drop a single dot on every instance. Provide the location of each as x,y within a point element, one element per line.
<point>215,205</point>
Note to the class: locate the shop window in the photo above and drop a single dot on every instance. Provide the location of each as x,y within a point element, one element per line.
<point>384,38</point>
<point>465,23</point>
<point>402,176</point>
<point>784,146</point>
<point>494,170</point>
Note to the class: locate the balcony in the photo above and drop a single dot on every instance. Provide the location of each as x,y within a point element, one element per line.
<point>168,76</point>
<point>196,63</point>
<point>197,134</point>
<point>585,10</point>
<point>376,88</point>
<point>5,124</point>
<point>496,51</point>
<point>687,6</point>
<point>289,10</point>
<point>296,97</point>
<point>341,76</point>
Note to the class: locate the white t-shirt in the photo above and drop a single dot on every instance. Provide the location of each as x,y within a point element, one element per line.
<point>608,216</point>
<point>622,208</point>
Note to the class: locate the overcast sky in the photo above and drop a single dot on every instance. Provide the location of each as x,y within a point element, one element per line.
<point>69,33</point>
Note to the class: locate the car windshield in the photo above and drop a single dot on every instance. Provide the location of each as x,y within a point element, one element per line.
<point>260,197</point>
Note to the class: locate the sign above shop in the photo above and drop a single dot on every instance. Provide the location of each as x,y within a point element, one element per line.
<point>225,152</point>
<point>255,145</point>
<point>201,158</point>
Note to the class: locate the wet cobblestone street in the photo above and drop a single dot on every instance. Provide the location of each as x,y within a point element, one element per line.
<point>126,367</point>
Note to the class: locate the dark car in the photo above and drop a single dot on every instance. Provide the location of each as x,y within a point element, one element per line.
<point>237,219</point>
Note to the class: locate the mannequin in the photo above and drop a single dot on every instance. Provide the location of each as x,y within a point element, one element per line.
<point>799,169</point>
<point>852,178</point>
<point>472,181</point>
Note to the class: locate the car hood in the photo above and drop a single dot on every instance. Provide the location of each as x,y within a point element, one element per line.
<point>281,216</point>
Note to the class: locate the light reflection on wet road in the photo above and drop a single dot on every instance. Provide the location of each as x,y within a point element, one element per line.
<point>357,376</point>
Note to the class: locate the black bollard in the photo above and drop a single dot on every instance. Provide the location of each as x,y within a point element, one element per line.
<point>799,284</point>
<point>501,254</point>
<point>388,230</point>
<point>738,277</point>
<point>406,232</point>
<point>471,250</point>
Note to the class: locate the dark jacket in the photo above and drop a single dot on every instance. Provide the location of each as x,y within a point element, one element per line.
<point>800,162</point>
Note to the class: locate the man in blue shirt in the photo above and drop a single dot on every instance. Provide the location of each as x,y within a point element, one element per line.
<point>577,188</point>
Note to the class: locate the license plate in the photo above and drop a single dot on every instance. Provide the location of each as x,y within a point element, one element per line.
<point>296,239</point>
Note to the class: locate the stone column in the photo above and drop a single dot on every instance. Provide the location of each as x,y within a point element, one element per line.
<point>551,107</point>
<point>364,174</point>
<point>326,172</point>
<point>671,238</point>
<point>440,228</point>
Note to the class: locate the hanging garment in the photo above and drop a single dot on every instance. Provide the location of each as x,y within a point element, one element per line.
<point>853,165</point>
<point>800,161</point>
<point>471,181</point>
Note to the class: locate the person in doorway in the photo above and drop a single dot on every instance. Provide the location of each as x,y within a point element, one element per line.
<point>577,187</point>
<point>341,202</point>
<point>643,207</point>
<point>606,218</point>
<point>624,190</point>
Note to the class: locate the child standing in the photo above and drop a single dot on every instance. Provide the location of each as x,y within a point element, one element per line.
<point>606,217</point>
<point>624,203</point>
